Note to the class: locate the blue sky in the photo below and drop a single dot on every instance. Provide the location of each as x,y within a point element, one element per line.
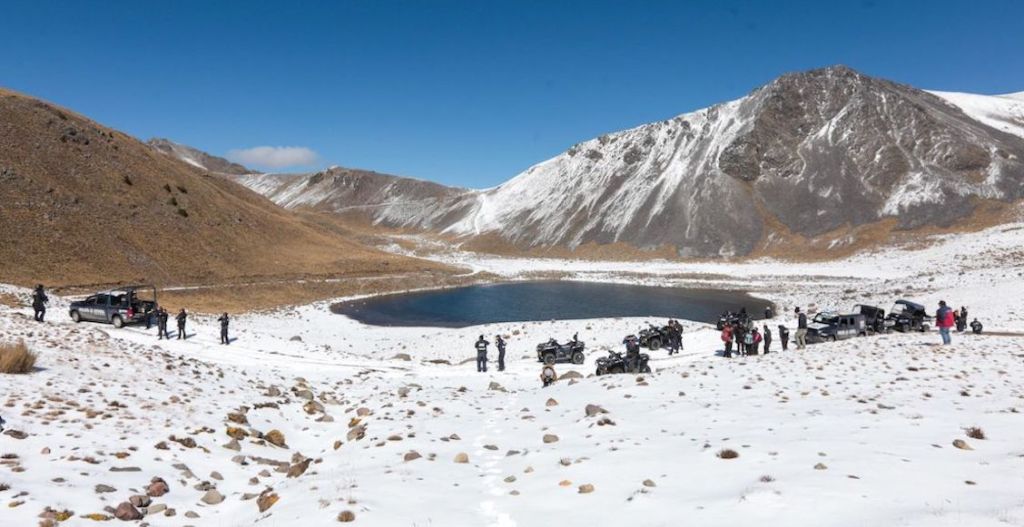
<point>468,93</point>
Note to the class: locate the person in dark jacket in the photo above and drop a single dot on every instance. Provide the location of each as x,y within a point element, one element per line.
<point>481,354</point>
<point>767,339</point>
<point>500,344</point>
<point>181,318</point>
<point>161,324</point>
<point>224,321</point>
<point>740,333</point>
<point>961,320</point>
<point>39,301</point>
<point>801,330</point>
<point>768,313</point>
<point>976,327</point>
<point>784,337</point>
<point>632,352</point>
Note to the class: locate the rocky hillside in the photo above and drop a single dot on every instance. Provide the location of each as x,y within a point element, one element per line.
<point>197,158</point>
<point>826,156</point>
<point>81,203</point>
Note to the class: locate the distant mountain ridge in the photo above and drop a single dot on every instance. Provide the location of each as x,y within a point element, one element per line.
<point>197,158</point>
<point>811,155</point>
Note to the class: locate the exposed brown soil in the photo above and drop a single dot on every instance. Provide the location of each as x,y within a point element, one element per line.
<point>84,204</point>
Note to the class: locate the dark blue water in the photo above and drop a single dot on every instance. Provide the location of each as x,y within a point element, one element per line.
<point>529,301</point>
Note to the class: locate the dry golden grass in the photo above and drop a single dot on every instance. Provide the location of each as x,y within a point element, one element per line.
<point>9,300</point>
<point>16,358</point>
<point>975,433</point>
<point>727,453</point>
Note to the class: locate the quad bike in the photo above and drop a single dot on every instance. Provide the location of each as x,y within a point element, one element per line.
<point>551,352</point>
<point>618,363</point>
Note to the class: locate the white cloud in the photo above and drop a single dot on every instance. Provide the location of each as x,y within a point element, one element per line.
<point>274,156</point>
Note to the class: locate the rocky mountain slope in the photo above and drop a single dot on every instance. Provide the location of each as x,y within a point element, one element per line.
<point>826,156</point>
<point>197,158</point>
<point>81,203</point>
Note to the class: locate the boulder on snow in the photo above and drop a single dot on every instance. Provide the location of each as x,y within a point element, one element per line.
<point>276,438</point>
<point>127,512</point>
<point>593,409</point>
<point>550,438</point>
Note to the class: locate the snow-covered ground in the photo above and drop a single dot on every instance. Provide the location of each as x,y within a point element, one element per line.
<point>857,432</point>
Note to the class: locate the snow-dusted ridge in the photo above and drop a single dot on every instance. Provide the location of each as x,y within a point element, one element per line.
<point>811,155</point>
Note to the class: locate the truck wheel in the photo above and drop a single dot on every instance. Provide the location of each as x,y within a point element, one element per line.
<point>549,358</point>
<point>117,321</point>
<point>654,344</point>
<point>832,338</point>
<point>577,358</point>
<point>76,316</point>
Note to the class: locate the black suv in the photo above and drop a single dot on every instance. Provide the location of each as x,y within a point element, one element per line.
<point>833,327</point>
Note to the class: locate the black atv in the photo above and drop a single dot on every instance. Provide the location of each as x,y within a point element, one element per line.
<point>653,338</point>
<point>616,363</point>
<point>733,319</point>
<point>908,316</point>
<point>875,318</point>
<point>551,352</point>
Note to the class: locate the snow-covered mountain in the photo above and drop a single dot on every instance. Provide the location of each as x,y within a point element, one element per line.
<point>810,155</point>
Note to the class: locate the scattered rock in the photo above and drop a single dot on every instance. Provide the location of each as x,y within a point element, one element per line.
<point>236,433</point>
<point>139,500</point>
<point>127,512</point>
<point>276,438</point>
<point>462,457</point>
<point>411,456</point>
<point>356,433</point>
<point>550,438</point>
<point>157,487</point>
<point>571,374</point>
<point>212,497</point>
<point>496,387</point>
<point>586,488</point>
<point>961,444</point>
<point>510,479</point>
<point>820,466</point>
<point>299,469</point>
<point>266,500</point>
<point>593,409</point>
<point>402,356</point>
<point>313,407</point>
<point>17,434</point>
<point>103,489</point>
<point>650,483</point>
<point>233,445</point>
<point>551,402</point>
<point>346,516</point>
<point>156,508</point>
<point>304,394</point>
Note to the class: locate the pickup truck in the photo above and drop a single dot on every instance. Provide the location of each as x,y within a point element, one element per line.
<point>117,306</point>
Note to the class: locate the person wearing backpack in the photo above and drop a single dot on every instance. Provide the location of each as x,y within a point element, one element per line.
<point>944,319</point>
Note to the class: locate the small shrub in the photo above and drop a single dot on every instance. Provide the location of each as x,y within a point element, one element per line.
<point>975,433</point>
<point>4,487</point>
<point>767,479</point>
<point>173,202</point>
<point>127,180</point>
<point>728,453</point>
<point>183,213</point>
<point>182,189</point>
<point>167,187</point>
<point>16,358</point>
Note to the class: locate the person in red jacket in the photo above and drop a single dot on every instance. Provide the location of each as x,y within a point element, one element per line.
<point>945,319</point>
<point>727,339</point>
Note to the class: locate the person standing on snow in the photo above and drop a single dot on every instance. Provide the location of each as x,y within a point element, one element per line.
<point>727,339</point>
<point>224,321</point>
<point>767,339</point>
<point>801,330</point>
<point>961,321</point>
<point>161,324</point>
<point>944,319</point>
<point>500,344</point>
<point>481,354</point>
<point>39,301</point>
<point>181,318</point>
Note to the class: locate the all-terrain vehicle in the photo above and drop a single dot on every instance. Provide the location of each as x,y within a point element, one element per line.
<point>126,305</point>
<point>874,317</point>
<point>654,337</point>
<point>616,362</point>
<point>551,351</point>
<point>733,319</point>
<point>908,316</point>
<point>832,327</point>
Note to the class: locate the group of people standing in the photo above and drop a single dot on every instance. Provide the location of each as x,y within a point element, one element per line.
<point>675,336</point>
<point>481,352</point>
<point>741,331</point>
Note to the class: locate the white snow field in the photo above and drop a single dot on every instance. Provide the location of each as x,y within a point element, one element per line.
<point>859,432</point>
